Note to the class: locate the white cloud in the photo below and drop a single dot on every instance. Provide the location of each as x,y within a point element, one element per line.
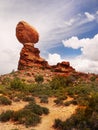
<point>53,59</point>
<point>73,43</point>
<point>89,16</point>
<point>88,46</point>
<point>88,60</point>
<point>70,22</point>
<point>96,12</point>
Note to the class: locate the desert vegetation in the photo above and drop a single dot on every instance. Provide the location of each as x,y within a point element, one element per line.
<point>84,94</point>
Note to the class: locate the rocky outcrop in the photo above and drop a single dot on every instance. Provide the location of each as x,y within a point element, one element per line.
<point>26,33</point>
<point>63,67</point>
<point>29,57</point>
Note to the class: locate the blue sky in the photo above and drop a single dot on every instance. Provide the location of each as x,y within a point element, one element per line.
<point>68,31</point>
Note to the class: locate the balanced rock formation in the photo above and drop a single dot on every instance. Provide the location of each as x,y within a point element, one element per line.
<point>26,33</point>
<point>29,55</point>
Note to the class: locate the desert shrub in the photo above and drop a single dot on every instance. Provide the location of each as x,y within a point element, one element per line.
<point>63,97</point>
<point>74,102</point>
<point>29,98</point>
<point>93,102</point>
<point>39,78</point>
<point>58,101</point>
<point>37,109</point>
<point>58,82</point>
<point>84,119</point>
<point>93,78</point>
<point>6,116</point>
<point>2,89</point>
<point>42,89</point>
<point>43,99</point>
<point>6,81</point>
<point>26,117</point>
<point>57,124</point>
<point>5,100</point>
<point>67,103</point>
<point>17,84</point>
<point>45,110</point>
<point>30,115</point>
<point>82,100</point>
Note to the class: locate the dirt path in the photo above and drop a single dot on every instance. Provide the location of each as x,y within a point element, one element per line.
<point>55,112</point>
<point>47,120</point>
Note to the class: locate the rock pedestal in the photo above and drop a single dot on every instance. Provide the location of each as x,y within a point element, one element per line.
<point>29,57</point>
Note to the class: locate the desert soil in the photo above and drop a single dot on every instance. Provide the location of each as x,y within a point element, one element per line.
<point>60,112</point>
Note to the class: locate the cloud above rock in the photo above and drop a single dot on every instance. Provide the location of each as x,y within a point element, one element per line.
<point>87,61</point>
<point>55,20</point>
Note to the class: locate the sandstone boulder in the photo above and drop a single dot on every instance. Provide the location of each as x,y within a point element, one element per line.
<point>26,33</point>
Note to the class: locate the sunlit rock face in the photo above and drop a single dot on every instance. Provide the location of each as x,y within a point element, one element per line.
<point>26,33</point>
<point>29,55</point>
<point>63,67</point>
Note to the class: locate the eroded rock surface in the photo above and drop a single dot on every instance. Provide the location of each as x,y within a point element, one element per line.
<point>26,33</point>
<point>29,57</point>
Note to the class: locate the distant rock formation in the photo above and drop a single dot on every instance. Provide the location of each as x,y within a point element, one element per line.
<point>29,55</point>
<point>63,67</point>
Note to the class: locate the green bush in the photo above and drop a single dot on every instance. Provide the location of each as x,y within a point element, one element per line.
<point>6,116</point>
<point>74,102</point>
<point>85,118</point>
<point>5,100</point>
<point>58,101</point>
<point>57,124</point>
<point>29,98</point>
<point>39,78</point>
<point>6,81</point>
<point>58,82</point>
<point>37,109</point>
<point>45,110</point>
<point>43,99</point>
<point>26,117</point>
<point>17,84</point>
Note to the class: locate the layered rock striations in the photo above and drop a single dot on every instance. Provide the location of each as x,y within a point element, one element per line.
<point>30,56</point>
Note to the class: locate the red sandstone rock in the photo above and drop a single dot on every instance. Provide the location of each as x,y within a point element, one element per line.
<point>29,57</point>
<point>63,67</point>
<point>26,33</point>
